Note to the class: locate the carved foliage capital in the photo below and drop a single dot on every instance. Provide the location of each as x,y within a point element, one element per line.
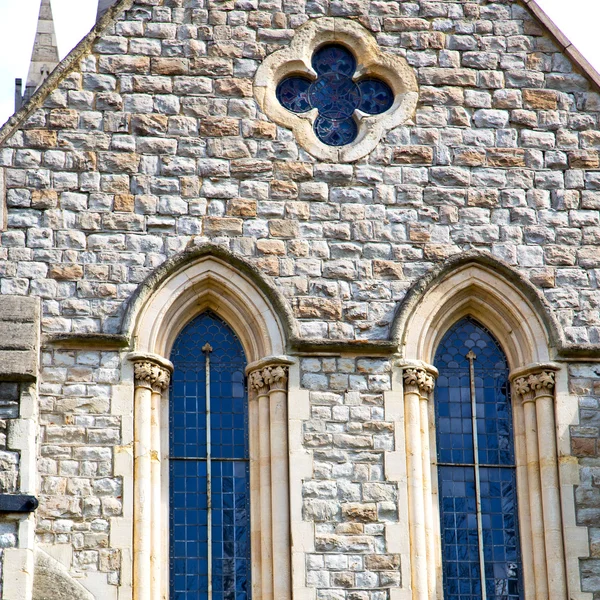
<point>535,385</point>
<point>151,375</point>
<point>269,379</point>
<point>419,379</point>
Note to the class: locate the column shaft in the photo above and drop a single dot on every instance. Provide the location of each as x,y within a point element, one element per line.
<point>427,496</point>
<point>265,496</point>
<point>280,500</point>
<point>415,491</point>
<point>255,490</point>
<point>551,497</point>
<point>157,531</point>
<point>535,502</point>
<point>142,533</point>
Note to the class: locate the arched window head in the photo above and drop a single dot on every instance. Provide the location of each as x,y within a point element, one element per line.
<point>476,467</point>
<point>209,464</point>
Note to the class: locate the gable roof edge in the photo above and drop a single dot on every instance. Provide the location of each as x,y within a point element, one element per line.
<point>563,42</point>
<point>63,69</point>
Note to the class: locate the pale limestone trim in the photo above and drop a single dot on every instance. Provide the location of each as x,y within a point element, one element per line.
<point>397,540</point>
<point>477,291</point>
<point>546,472</point>
<point>301,468</point>
<point>209,283</point>
<point>22,436</point>
<point>576,537</point>
<point>296,59</point>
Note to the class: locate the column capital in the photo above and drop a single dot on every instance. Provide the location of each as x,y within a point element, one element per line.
<point>535,381</point>
<point>151,371</point>
<point>269,379</point>
<point>418,379</point>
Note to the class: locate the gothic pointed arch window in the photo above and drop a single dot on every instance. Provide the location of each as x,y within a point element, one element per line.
<point>477,474</point>
<point>209,464</point>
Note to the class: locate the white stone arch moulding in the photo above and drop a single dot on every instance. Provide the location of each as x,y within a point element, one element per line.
<point>551,544</point>
<point>371,59</point>
<point>210,283</point>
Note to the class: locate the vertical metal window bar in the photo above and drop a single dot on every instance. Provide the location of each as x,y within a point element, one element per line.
<point>207,349</point>
<point>472,357</point>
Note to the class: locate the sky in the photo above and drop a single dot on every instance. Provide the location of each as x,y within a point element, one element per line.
<point>578,19</point>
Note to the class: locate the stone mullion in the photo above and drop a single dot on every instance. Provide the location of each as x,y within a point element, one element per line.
<point>151,377</point>
<point>536,520</point>
<point>537,390</point>
<point>413,379</point>
<point>277,379</point>
<point>264,444</point>
<point>425,390</point>
<point>255,512</point>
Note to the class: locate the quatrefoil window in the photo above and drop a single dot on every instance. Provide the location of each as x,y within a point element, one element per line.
<point>335,95</point>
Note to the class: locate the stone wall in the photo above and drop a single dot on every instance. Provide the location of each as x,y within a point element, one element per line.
<point>153,142</point>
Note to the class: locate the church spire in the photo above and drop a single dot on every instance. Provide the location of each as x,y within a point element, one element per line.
<point>44,58</point>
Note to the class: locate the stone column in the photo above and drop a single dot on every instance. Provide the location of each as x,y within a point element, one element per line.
<point>536,387</point>
<point>270,448</point>
<point>418,384</point>
<point>151,376</point>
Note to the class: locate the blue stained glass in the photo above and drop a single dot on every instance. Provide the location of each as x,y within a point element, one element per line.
<point>335,95</point>
<point>497,474</point>
<point>230,477</point>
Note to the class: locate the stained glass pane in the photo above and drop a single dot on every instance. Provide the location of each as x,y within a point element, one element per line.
<point>229,481</point>
<point>458,466</point>
<point>335,95</point>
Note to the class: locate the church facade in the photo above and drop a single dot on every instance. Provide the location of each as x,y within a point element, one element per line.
<point>299,301</point>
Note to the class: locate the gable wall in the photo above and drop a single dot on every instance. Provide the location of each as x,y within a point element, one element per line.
<point>155,142</point>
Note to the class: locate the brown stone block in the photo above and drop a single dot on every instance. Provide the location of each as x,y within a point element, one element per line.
<point>545,278</point>
<point>236,88</point>
<point>412,155</point>
<point>124,203</point>
<point>118,162</point>
<point>461,77</point>
<point>298,171</point>
<point>40,138</point>
<point>223,226</point>
<point>283,228</point>
<point>219,126</point>
<point>483,198</point>
<point>584,159</point>
<point>387,269</point>
<point>437,252</point>
<point>251,167</point>
<point>149,124</point>
<point>469,157</point>
<point>66,272</point>
<point>506,157</point>
<point>419,232</point>
<point>241,207</point>
<point>44,199</point>
<point>319,308</point>
<point>405,24</point>
<point>190,186</point>
<point>81,161</point>
<point>63,118</point>
<point>269,265</point>
<point>540,99</point>
<point>216,67</point>
<point>124,64</point>
<point>260,129</point>
<point>169,66</point>
<point>284,190</point>
<point>584,447</point>
<point>382,562</point>
<point>272,247</point>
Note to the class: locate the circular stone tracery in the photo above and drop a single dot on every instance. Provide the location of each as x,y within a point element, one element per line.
<point>335,95</point>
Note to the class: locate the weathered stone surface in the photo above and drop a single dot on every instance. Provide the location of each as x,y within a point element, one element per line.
<point>52,581</point>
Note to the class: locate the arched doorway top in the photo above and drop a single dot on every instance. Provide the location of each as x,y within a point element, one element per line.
<point>202,278</point>
<point>492,292</point>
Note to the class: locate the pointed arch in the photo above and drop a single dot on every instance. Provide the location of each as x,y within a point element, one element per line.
<point>208,277</point>
<point>490,291</point>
